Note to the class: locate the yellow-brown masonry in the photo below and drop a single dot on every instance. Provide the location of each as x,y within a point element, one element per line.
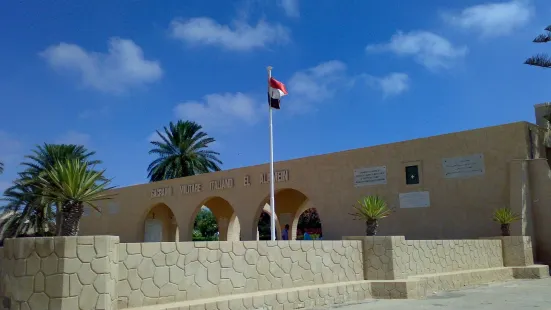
<point>458,180</point>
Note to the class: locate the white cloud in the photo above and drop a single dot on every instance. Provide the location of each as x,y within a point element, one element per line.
<point>74,137</point>
<point>290,7</point>
<point>121,68</point>
<point>315,85</point>
<point>492,19</point>
<point>392,84</point>
<point>429,49</point>
<point>240,36</point>
<point>9,147</point>
<point>220,111</point>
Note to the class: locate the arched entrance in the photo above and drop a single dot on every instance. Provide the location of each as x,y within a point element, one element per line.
<point>226,221</point>
<point>307,220</point>
<point>289,204</point>
<point>160,225</point>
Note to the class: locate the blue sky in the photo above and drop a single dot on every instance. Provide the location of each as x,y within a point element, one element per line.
<point>107,74</point>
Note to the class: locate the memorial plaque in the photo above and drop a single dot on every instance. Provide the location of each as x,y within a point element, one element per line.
<point>414,200</point>
<point>370,176</point>
<point>463,167</point>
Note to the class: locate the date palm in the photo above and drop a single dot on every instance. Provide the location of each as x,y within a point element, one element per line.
<point>541,60</point>
<point>73,184</point>
<point>371,209</point>
<point>25,211</point>
<point>25,214</point>
<point>182,150</point>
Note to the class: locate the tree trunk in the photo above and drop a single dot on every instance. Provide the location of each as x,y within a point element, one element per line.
<point>371,226</point>
<point>58,219</point>
<point>505,230</point>
<point>72,214</point>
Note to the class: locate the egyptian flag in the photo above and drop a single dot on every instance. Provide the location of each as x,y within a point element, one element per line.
<point>276,90</point>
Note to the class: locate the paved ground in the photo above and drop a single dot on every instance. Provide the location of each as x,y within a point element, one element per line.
<point>514,295</point>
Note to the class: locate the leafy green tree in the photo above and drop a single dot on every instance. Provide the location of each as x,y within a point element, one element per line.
<point>182,151</point>
<point>541,60</point>
<point>73,184</point>
<point>264,227</point>
<point>205,224</point>
<point>309,219</point>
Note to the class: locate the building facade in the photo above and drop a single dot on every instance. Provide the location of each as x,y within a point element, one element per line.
<point>441,187</point>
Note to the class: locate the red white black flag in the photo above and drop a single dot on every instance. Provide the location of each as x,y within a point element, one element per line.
<point>275,92</point>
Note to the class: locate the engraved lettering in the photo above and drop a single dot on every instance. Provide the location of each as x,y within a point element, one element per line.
<point>161,192</point>
<point>247,181</point>
<point>190,188</point>
<point>221,184</point>
<point>279,176</point>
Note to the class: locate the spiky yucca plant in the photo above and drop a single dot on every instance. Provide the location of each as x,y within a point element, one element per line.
<point>73,184</point>
<point>371,209</point>
<point>505,216</point>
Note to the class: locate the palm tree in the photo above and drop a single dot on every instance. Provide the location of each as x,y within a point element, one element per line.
<point>505,217</point>
<point>541,60</point>
<point>183,151</point>
<point>26,211</point>
<point>371,209</point>
<point>73,184</point>
<point>46,156</point>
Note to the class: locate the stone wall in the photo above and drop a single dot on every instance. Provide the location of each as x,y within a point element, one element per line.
<point>394,257</point>
<point>415,257</point>
<point>151,273</point>
<point>60,273</point>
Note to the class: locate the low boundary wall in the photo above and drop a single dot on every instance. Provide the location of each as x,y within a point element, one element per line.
<point>98,272</point>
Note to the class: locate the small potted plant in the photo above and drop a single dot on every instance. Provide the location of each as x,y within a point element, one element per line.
<point>371,209</point>
<point>504,216</point>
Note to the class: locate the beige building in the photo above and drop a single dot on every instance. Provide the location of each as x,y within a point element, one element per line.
<point>442,187</point>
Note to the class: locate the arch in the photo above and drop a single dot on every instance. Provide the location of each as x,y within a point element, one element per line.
<point>290,203</point>
<point>307,205</point>
<point>227,221</point>
<point>160,224</point>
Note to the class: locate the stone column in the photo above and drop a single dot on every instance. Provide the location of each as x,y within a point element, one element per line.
<point>223,224</point>
<point>60,273</point>
<point>517,251</point>
<point>520,200</point>
<point>380,257</point>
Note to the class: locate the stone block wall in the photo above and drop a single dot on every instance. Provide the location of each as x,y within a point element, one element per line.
<point>60,273</point>
<point>394,257</point>
<point>153,273</point>
<point>416,257</point>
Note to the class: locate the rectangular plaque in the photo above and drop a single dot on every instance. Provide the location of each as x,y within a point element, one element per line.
<point>415,200</point>
<point>463,167</point>
<point>370,176</point>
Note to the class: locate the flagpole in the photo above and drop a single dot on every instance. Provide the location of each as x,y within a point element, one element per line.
<point>272,187</point>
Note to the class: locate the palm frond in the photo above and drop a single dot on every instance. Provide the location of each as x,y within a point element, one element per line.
<point>540,60</point>
<point>371,208</point>
<point>182,151</point>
